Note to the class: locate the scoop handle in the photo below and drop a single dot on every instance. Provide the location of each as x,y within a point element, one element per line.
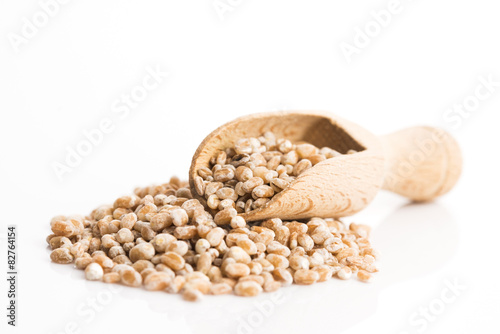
<point>422,162</point>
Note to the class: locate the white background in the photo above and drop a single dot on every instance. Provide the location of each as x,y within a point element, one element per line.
<point>259,56</point>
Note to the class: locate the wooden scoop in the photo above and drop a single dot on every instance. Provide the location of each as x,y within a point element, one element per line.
<point>420,163</point>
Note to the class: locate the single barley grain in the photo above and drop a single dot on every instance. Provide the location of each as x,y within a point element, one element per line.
<point>247,289</point>
<point>94,272</point>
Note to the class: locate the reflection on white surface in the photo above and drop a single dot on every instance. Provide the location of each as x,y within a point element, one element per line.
<point>415,240</point>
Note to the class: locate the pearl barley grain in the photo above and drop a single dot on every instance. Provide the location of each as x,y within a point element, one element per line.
<point>247,289</point>
<point>364,276</point>
<point>143,251</point>
<point>94,272</point>
<point>61,255</point>
<point>344,273</point>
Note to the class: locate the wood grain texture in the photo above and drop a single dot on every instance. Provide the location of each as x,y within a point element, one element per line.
<point>422,163</point>
<point>343,185</point>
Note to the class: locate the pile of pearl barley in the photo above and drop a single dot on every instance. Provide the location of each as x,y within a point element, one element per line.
<point>163,239</point>
<point>247,176</point>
